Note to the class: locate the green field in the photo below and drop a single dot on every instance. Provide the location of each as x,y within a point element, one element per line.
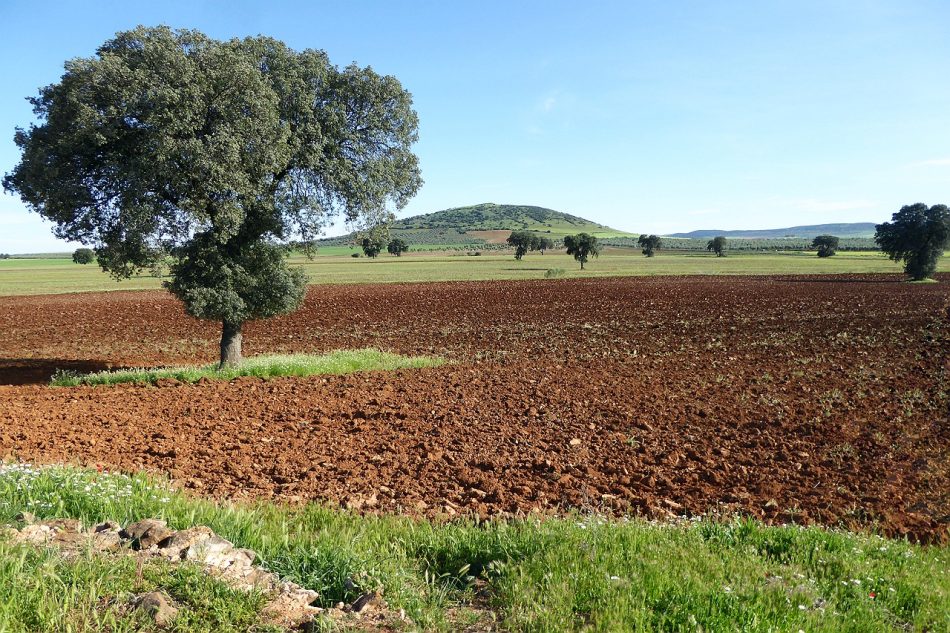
<point>581,572</point>
<point>331,266</point>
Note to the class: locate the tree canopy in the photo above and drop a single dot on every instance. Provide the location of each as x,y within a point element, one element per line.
<point>84,256</point>
<point>214,153</point>
<point>826,245</point>
<point>543,244</point>
<point>397,246</point>
<point>375,239</point>
<point>582,246</point>
<point>523,241</point>
<point>650,244</point>
<point>916,236</point>
<point>717,245</point>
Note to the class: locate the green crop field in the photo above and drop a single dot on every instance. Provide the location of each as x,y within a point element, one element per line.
<point>334,265</point>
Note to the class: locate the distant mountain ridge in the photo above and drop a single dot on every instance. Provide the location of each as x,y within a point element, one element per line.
<point>846,229</point>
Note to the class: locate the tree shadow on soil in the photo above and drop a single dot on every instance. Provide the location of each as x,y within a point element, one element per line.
<point>38,371</point>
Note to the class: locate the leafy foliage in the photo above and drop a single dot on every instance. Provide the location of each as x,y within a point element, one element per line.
<point>717,245</point>
<point>523,241</point>
<point>650,244</point>
<point>83,256</point>
<point>375,238</point>
<point>582,246</point>
<point>251,282</point>
<point>543,244</point>
<point>397,246</point>
<point>916,236</point>
<point>826,245</point>
<point>214,152</point>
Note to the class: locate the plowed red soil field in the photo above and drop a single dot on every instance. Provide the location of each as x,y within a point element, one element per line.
<point>790,399</point>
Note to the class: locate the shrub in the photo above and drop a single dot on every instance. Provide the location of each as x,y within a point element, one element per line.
<point>83,256</point>
<point>650,244</point>
<point>826,245</point>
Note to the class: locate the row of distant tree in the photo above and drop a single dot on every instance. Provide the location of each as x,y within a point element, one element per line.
<point>373,245</point>
<point>916,236</point>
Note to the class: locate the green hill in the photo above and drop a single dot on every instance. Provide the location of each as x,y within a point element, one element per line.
<point>483,224</point>
<point>506,217</point>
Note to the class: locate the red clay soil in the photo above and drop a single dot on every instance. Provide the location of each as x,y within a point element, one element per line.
<point>790,399</point>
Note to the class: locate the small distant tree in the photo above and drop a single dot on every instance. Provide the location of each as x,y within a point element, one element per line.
<point>375,239</point>
<point>916,236</point>
<point>543,244</point>
<point>522,241</point>
<point>397,246</point>
<point>83,256</point>
<point>826,245</point>
<point>4,256</point>
<point>650,244</point>
<point>582,246</point>
<point>717,245</point>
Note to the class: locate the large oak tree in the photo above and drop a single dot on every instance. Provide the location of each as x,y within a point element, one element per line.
<point>916,236</point>
<point>217,153</point>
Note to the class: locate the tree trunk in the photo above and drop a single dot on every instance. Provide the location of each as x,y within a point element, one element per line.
<point>230,344</point>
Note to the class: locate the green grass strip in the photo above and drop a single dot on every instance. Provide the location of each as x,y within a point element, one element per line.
<point>270,366</point>
<point>579,572</point>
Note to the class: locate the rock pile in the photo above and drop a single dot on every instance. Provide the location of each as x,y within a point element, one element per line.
<point>289,604</point>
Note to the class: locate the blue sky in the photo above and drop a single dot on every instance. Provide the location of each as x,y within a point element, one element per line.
<point>646,116</point>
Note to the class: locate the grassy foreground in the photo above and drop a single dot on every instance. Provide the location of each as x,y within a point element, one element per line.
<point>267,366</point>
<point>541,575</point>
<point>51,276</point>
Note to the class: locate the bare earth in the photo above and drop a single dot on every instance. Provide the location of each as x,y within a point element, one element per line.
<point>790,399</point>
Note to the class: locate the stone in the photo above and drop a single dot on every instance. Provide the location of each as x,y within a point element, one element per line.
<point>106,541</point>
<point>672,504</point>
<point>176,545</point>
<point>290,612</point>
<point>162,612</point>
<point>36,534</point>
<point>211,551</point>
<point>368,601</point>
<point>146,533</point>
<point>26,517</point>
<point>63,525</point>
<point>575,442</point>
<point>107,526</point>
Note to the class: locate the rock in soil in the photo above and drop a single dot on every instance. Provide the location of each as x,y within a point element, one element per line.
<point>159,607</point>
<point>146,533</point>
